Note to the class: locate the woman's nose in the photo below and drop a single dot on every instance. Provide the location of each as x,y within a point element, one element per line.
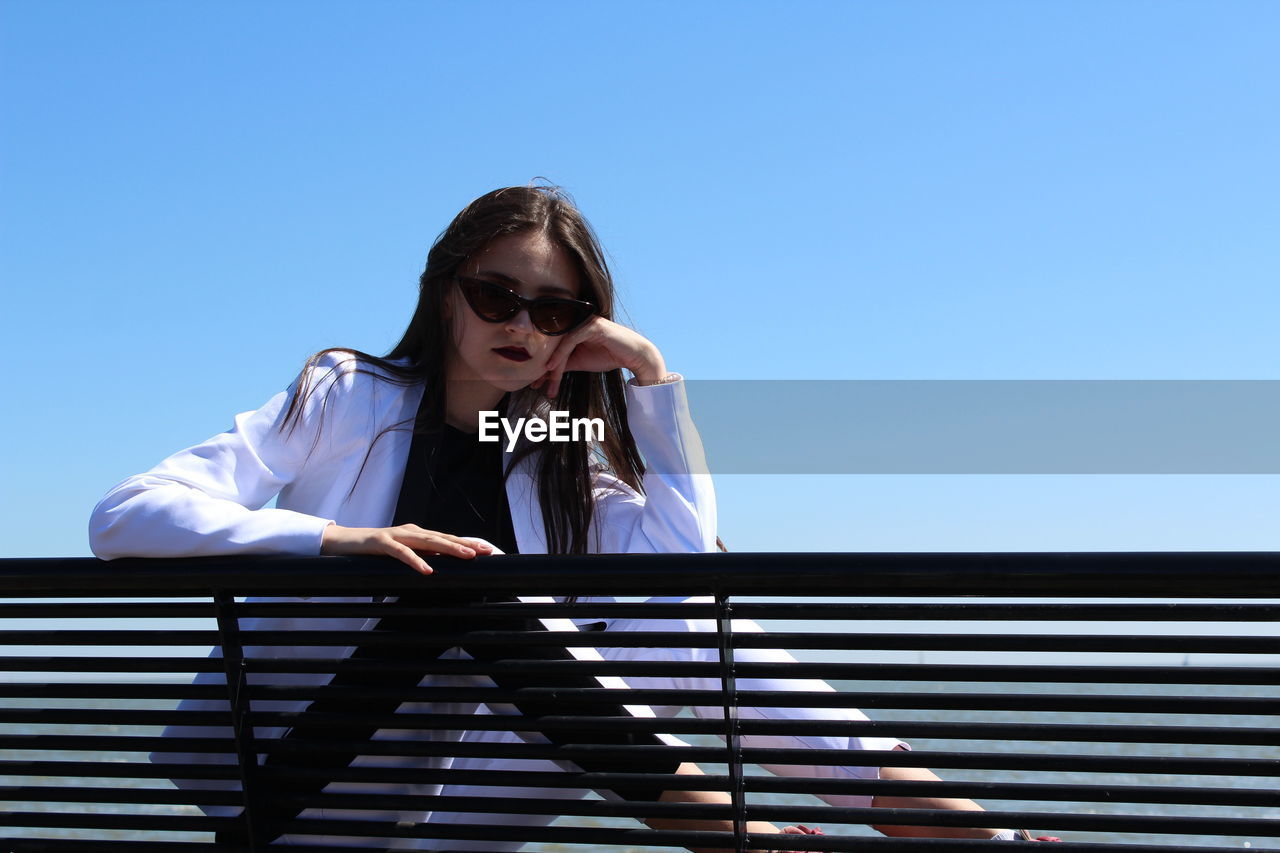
<point>520,322</point>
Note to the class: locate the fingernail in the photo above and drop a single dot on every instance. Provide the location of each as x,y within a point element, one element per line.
<point>469,552</point>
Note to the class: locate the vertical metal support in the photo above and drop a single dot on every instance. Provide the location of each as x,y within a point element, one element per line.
<point>732,733</point>
<point>237,683</point>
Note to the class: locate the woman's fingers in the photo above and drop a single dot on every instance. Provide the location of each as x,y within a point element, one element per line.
<point>595,346</point>
<point>406,541</point>
<point>565,346</point>
<point>408,556</point>
<point>559,361</point>
<point>596,330</point>
<point>556,373</point>
<point>440,543</point>
<point>402,542</point>
<point>602,345</point>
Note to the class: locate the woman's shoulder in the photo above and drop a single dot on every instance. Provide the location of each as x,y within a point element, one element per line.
<point>351,386</point>
<point>351,371</point>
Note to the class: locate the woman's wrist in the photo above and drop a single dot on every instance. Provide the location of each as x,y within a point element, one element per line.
<point>665,380</point>
<point>651,370</point>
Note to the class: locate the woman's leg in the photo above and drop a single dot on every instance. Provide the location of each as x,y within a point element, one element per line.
<point>755,827</point>
<point>921,774</point>
<point>865,746</point>
<point>585,735</point>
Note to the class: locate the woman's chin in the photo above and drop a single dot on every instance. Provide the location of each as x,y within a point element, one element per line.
<point>511,384</point>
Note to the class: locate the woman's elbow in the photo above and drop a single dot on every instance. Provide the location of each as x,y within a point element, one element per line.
<point>125,523</point>
<point>105,528</point>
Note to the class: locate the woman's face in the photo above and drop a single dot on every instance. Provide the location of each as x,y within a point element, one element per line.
<point>510,354</point>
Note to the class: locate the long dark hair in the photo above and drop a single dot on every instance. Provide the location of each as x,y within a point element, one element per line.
<point>564,469</point>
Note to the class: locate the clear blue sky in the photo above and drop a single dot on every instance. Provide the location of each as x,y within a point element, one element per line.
<point>196,196</point>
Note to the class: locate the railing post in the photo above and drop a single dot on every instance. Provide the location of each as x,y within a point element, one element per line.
<point>237,692</point>
<point>729,690</point>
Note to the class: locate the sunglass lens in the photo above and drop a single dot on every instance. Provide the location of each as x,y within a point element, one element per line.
<point>558,316</point>
<point>491,301</point>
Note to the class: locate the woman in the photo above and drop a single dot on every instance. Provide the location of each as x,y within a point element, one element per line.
<point>369,455</point>
<point>375,455</point>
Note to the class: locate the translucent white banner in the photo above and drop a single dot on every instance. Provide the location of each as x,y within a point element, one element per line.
<point>989,426</point>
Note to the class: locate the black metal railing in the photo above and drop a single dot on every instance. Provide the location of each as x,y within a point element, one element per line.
<point>1124,701</point>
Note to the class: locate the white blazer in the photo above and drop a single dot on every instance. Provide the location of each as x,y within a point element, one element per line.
<point>210,499</point>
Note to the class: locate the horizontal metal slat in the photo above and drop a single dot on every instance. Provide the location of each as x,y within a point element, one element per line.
<point>1007,673</point>
<point>524,778</point>
<point>90,820</point>
<point>117,743</point>
<point>1109,643</point>
<point>1234,574</point>
<point>1259,826</point>
<point>71,845</point>
<point>1263,798</point>
<point>115,717</point>
<point>506,805</point>
<point>158,637</point>
<point>1034,762</point>
<point>821,757</point>
<point>594,836</point>
<point>1022,612</point>
<point>790,699</point>
<point>749,726</point>
<point>1237,735</point>
<point>118,794</point>
<point>106,610</point>
<point>808,611</point>
<point>999,673</point>
<point>491,832</point>
<point>98,663</point>
<point>522,610</point>
<point>816,843</point>
<point>109,690</point>
<point>1164,824</point>
<point>1124,793</point>
<point>117,770</point>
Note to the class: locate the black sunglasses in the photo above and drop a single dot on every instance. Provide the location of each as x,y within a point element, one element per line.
<point>551,315</point>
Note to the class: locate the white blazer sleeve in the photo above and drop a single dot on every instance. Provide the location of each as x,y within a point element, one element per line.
<point>677,512</point>
<point>208,500</point>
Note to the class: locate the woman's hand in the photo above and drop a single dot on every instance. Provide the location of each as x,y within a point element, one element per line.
<point>402,542</point>
<point>599,345</point>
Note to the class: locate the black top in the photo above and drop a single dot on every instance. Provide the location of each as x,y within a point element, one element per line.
<point>453,484</point>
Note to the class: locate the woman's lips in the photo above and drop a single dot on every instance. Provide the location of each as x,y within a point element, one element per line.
<point>513,353</point>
